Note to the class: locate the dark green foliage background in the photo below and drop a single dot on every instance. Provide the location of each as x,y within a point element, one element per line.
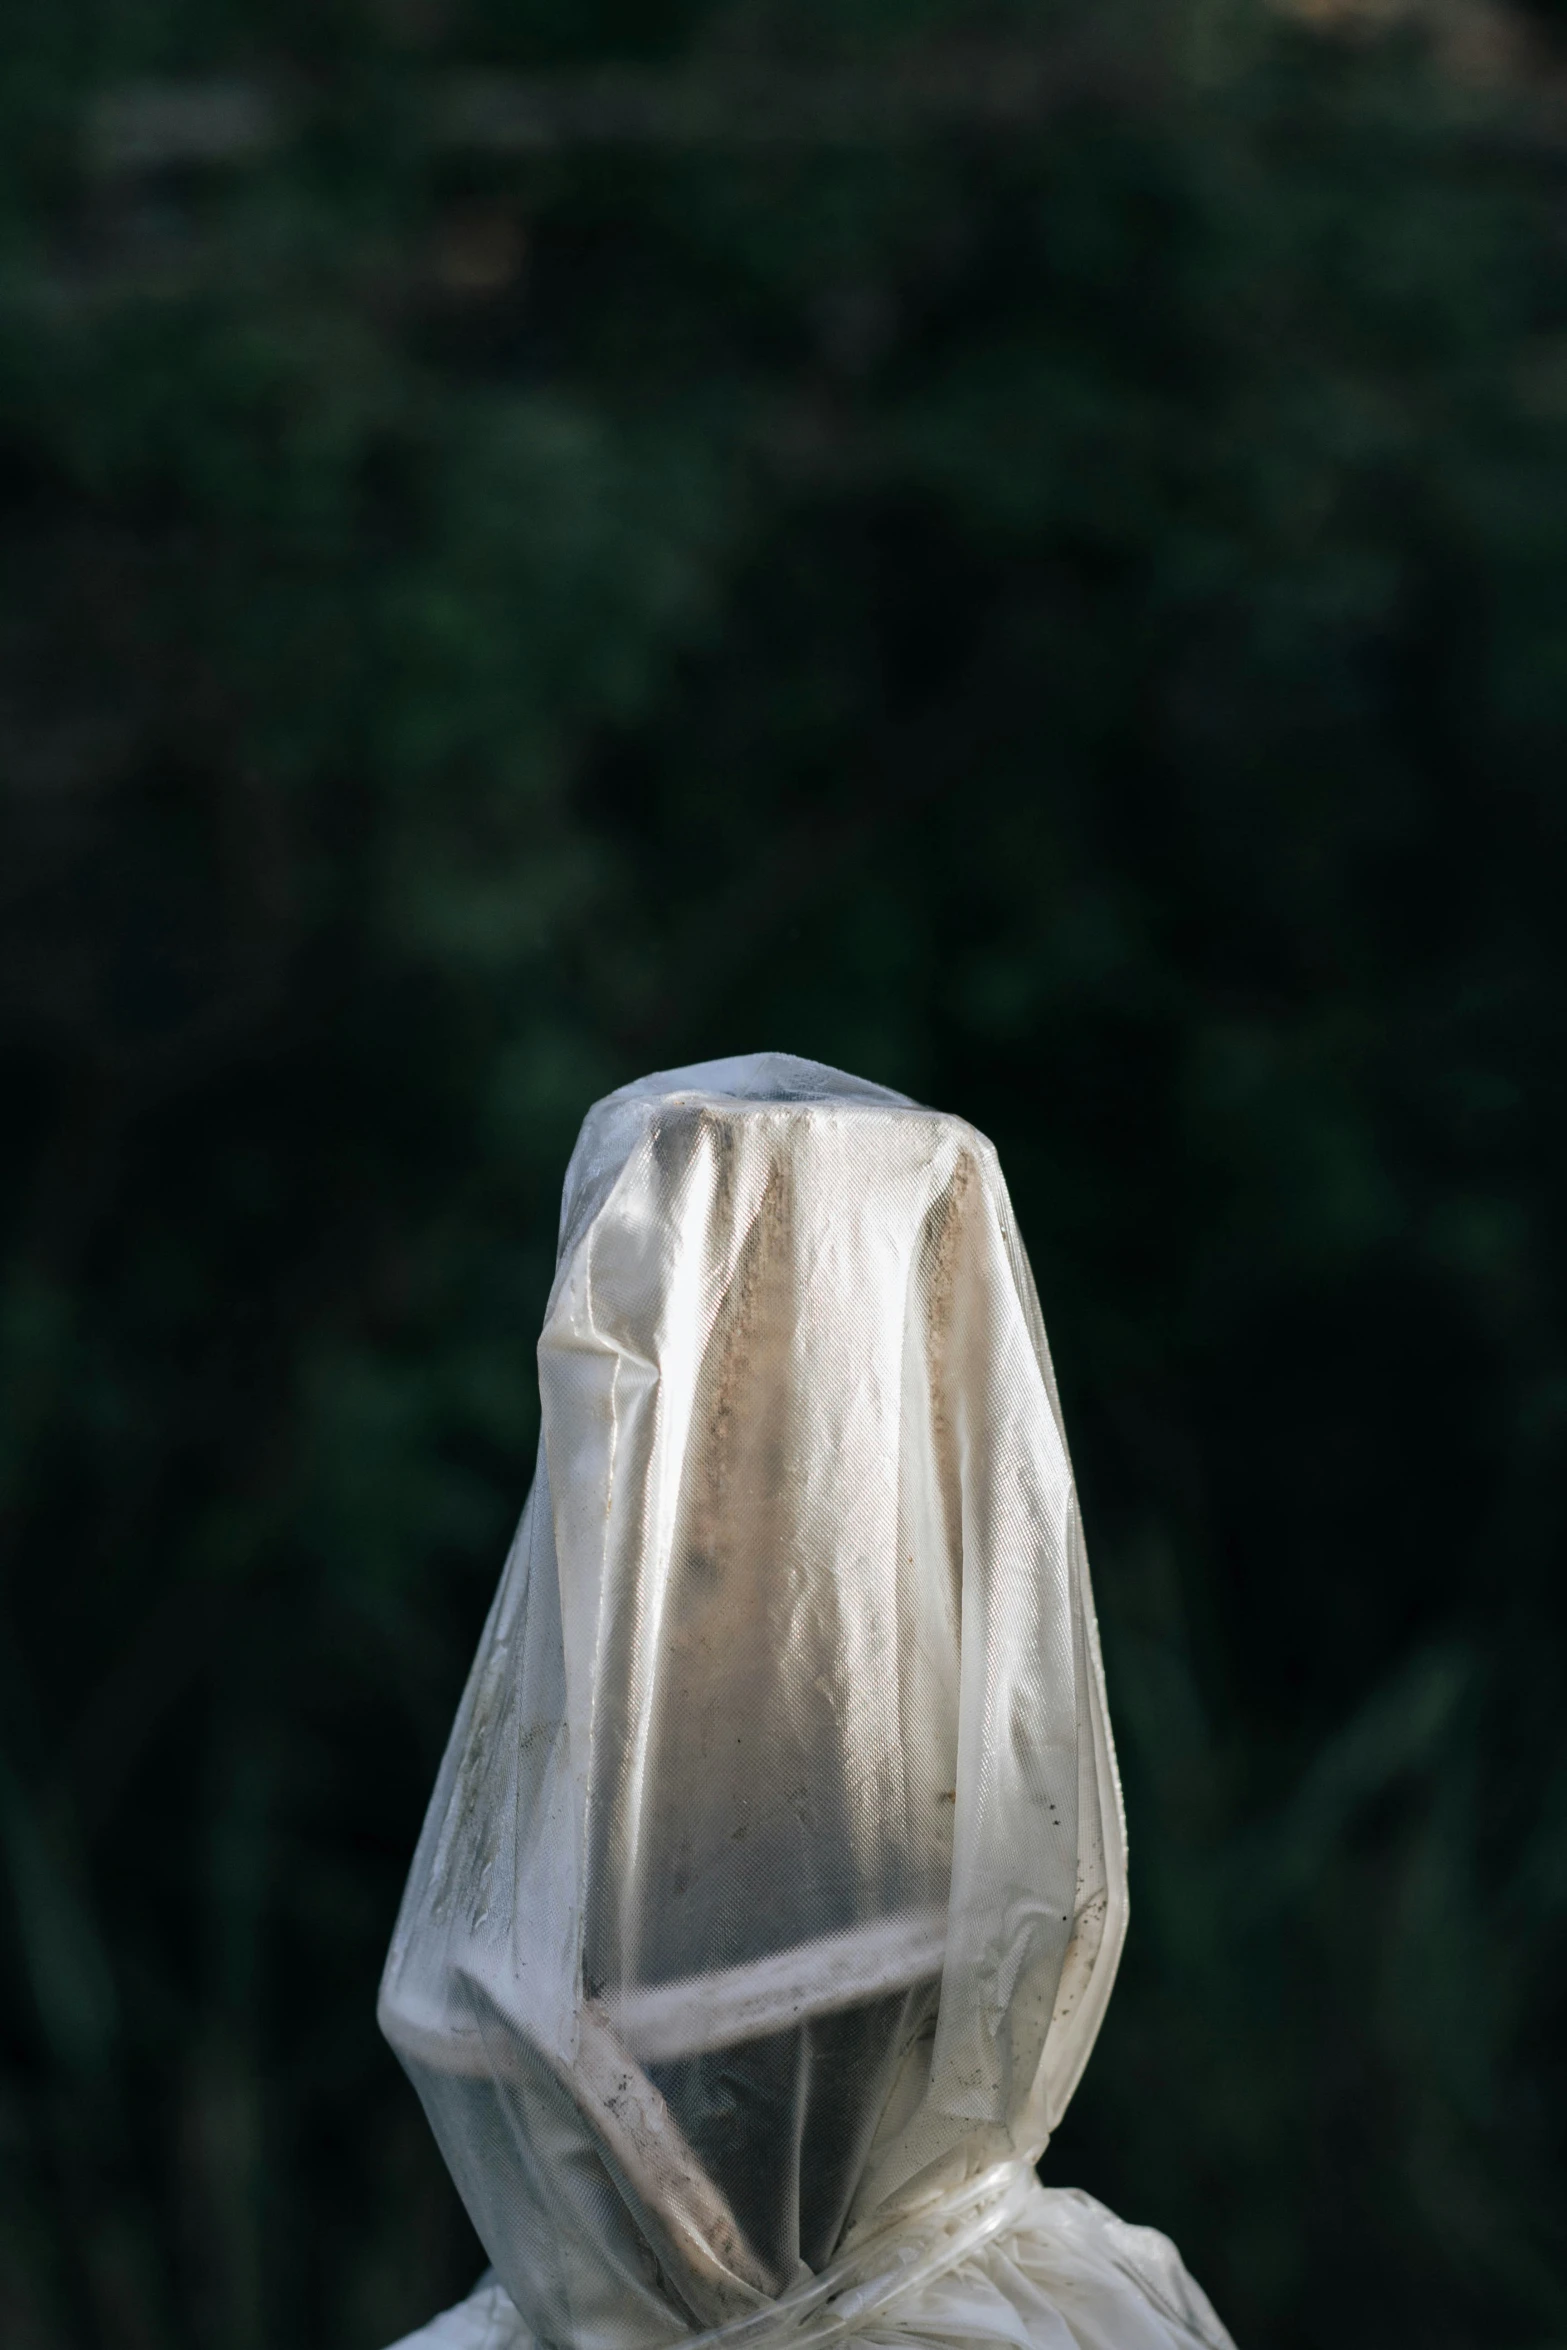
<point>1068,619</point>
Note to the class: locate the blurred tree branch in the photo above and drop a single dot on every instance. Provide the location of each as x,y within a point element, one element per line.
<point>152,126</point>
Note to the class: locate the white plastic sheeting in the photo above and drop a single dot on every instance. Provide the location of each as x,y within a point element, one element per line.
<point>774,1882</point>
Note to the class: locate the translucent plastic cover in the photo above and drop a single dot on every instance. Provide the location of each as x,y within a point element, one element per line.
<point>774,1881</point>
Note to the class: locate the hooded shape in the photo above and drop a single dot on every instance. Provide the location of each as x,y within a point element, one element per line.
<point>774,1882</point>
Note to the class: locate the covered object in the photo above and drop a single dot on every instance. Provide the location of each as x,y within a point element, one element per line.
<point>773,1886</point>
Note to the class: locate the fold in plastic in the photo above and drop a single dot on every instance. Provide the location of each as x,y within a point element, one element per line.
<point>774,1882</point>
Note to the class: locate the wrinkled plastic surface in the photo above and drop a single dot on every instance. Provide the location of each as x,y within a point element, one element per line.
<point>773,1885</point>
<point>1052,2270</point>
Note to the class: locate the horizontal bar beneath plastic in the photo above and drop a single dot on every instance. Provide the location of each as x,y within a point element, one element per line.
<point>729,2005</point>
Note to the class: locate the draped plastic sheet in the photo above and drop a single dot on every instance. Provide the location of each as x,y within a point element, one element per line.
<point>774,1881</point>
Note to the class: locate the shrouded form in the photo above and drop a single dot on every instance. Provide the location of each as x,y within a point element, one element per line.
<point>774,1882</point>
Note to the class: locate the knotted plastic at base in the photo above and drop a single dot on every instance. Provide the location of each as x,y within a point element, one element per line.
<point>1003,2260</point>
